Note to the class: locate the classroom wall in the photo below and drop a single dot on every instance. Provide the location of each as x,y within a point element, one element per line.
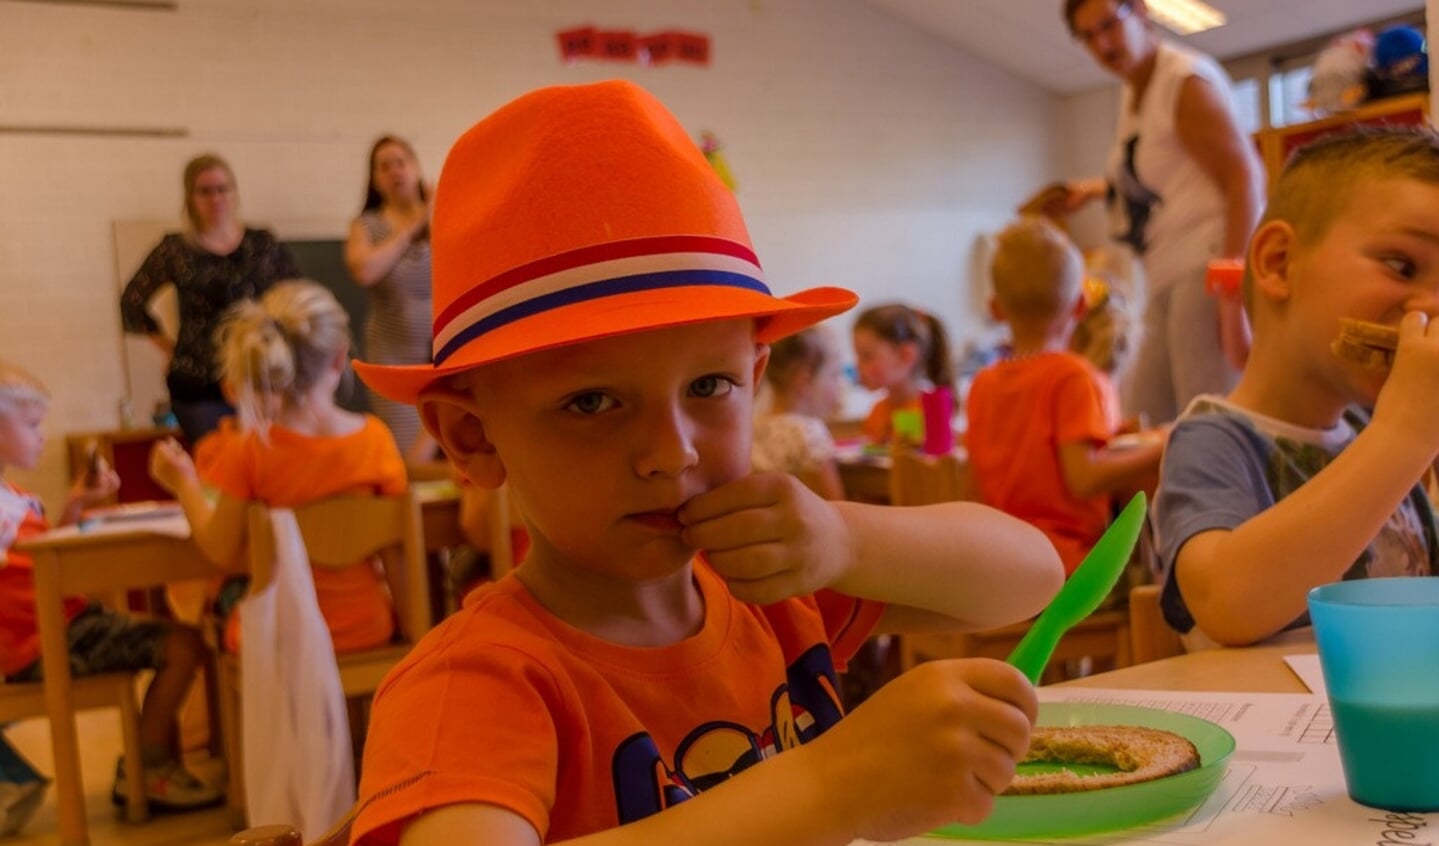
<point>868,154</point>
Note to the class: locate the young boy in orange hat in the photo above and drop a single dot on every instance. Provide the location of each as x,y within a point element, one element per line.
<point>601,324</point>
<point>1286,483</point>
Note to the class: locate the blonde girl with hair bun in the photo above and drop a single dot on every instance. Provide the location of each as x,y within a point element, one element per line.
<point>283,357</point>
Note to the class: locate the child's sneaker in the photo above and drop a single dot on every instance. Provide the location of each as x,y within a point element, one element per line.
<point>18,803</point>
<point>169,787</point>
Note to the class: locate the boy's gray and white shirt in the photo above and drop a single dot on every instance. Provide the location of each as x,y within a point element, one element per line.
<point>1225,464</point>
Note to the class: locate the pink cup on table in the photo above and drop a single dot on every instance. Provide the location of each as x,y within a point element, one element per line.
<point>937,406</point>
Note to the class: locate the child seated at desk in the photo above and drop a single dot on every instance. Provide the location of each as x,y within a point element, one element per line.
<point>903,352</point>
<point>1287,483</point>
<point>806,383</point>
<point>100,640</point>
<point>283,358</point>
<point>661,667</point>
<point>1041,419</point>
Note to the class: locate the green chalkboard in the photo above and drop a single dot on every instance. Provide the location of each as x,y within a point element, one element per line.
<point>324,262</point>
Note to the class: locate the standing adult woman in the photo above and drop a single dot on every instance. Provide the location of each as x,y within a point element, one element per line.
<point>388,253</point>
<point>215,262</point>
<point>1183,185</point>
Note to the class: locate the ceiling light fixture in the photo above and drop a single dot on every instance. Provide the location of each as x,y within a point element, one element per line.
<point>1184,17</point>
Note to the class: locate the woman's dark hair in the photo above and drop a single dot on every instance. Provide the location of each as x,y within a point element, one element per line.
<point>373,200</point>
<point>1072,6</point>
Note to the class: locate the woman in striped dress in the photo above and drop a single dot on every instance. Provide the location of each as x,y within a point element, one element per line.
<point>388,253</point>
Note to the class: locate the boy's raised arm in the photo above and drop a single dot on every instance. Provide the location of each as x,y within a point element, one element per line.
<point>934,746</point>
<point>771,539</point>
<point>1245,585</point>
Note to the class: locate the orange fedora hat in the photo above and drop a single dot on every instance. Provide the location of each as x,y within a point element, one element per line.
<point>582,212</point>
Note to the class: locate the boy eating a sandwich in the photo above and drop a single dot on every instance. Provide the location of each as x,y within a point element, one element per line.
<point>661,666</point>
<point>1287,483</point>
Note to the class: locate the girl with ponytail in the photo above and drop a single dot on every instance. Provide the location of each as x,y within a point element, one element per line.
<point>282,359</point>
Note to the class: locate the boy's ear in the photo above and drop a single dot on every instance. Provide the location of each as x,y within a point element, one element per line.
<point>996,311</point>
<point>1271,252</point>
<point>452,416</point>
<point>761,363</point>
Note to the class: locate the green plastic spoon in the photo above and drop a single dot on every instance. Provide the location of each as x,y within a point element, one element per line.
<point>1091,582</point>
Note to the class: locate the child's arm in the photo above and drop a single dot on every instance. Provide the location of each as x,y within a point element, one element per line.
<point>85,495</point>
<point>824,480</point>
<point>771,538</point>
<point>1091,471</point>
<point>1245,585</point>
<point>218,529</point>
<point>933,746</point>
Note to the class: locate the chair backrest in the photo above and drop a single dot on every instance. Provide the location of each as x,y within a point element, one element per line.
<point>919,479</point>
<point>342,530</point>
<point>284,835</point>
<point>1151,637</point>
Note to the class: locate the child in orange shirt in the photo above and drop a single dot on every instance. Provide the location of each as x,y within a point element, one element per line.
<point>1040,420</point>
<point>601,324</point>
<point>283,357</point>
<point>806,383</point>
<point>904,352</point>
<point>99,640</point>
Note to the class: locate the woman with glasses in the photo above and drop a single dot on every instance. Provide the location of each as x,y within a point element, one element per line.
<point>1183,185</point>
<point>213,263</point>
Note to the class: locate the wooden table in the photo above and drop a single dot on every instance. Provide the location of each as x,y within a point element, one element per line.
<point>101,563</point>
<point>107,562</point>
<point>1256,669</point>
<point>865,479</point>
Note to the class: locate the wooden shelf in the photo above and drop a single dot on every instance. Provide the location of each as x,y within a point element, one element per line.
<point>1275,145</point>
<point>128,451</point>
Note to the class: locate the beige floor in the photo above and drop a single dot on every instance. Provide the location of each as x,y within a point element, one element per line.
<point>100,748</point>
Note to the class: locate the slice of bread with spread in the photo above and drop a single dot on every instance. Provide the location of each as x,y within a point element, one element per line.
<point>1369,344</point>
<point>1137,754</point>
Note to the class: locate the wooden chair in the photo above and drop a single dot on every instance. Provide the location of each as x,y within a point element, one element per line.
<point>337,533</point>
<point>917,479</point>
<point>1150,635</point>
<point>284,835</point>
<point>25,700</point>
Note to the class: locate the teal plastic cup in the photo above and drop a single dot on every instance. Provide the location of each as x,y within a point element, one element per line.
<point>1377,641</point>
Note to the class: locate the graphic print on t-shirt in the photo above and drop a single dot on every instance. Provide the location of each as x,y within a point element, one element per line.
<point>1131,201</point>
<point>800,710</point>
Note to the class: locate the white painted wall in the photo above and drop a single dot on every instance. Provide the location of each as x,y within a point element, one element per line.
<point>869,154</point>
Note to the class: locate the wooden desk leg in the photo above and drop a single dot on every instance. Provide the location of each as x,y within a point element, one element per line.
<point>60,700</point>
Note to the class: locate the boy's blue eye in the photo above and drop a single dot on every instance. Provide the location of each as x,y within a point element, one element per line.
<point>712,386</point>
<point>590,403</point>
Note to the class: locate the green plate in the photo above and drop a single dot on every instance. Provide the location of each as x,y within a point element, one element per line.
<point>1109,809</point>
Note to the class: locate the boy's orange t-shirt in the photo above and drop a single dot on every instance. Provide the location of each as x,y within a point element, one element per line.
<point>505,704</point>
<point>1019,413</point>
<point>19,629</point>
<point>293,470</point>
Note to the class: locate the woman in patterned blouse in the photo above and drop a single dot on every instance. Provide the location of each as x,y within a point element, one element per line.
<point>388,254</point>
<point>215,262</point>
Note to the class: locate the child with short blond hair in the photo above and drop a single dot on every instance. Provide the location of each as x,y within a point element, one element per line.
<point>806,383</point>
<point>1286,483</point>
<point>1040,421</point>
<point>99,640</point>
<point>661,668</point>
